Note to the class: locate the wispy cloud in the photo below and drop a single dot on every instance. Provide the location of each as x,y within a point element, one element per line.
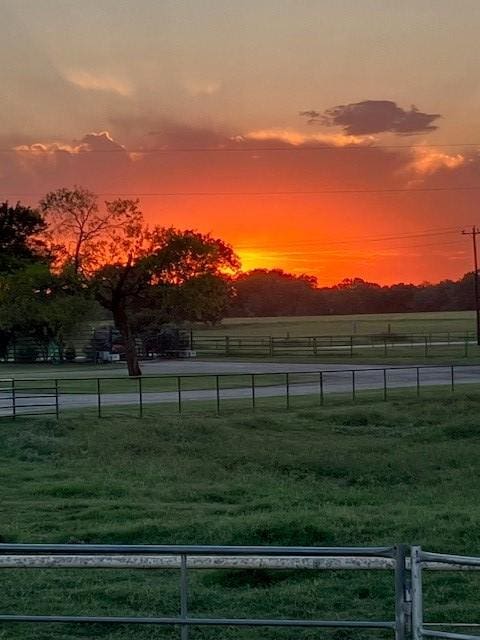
<point>428,161</point>
<point>101,141</point>
<point>297,138</point>
<point>198,88</point>
<point>98,82</point>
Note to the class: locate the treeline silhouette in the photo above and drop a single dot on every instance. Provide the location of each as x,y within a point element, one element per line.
<point>263,292</point>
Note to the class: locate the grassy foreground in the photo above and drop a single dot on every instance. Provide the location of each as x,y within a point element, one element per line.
<point>372,474</point>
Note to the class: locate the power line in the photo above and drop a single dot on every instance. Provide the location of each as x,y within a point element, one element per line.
<point>429,244</point>
<point>293,192</point>
<point>408,246</point>
<point>425,233</point>
<point>246,149</point>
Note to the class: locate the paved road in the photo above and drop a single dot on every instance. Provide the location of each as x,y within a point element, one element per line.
<point>303,380</point>
<point>183,367</point>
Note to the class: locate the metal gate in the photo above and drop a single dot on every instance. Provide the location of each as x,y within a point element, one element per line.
<point>406,620</point>
<point>424,560</point>
<point>28,397</point>
<point>184,558</point>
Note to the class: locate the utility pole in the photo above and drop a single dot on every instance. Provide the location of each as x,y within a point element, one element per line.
<point>474,233</point>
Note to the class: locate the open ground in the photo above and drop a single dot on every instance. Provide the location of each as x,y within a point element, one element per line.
<point>361,324</point>
<point>372,474</point>
<point>400,470</point>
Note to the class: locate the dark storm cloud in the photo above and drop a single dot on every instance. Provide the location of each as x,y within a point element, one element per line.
<point>374,116</point>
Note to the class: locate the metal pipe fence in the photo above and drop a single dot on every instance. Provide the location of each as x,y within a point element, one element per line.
<point>201,393</point>
<point>419,562</point>
<point>26,556</point>
<point>408,564</point>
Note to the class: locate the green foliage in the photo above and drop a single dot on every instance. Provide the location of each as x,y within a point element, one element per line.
<point>38,307</point>
<point>272,292</point>
<point>20,245</point>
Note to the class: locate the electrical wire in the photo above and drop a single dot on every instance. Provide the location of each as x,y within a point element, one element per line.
<point>293,192</point>
<point>247,149</point>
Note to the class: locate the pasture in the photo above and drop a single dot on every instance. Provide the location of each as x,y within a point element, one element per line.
<point>404,470</point>
<point>361,324</point>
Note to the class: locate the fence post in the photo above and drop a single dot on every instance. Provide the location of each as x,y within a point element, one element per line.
<point>140,397</point>
<point>183,596</point>
<point>271,345</point>
<point>351,346</point>
<point>99,399</point>
<point>14,399</point>
<point>400,593</point>
<point>287,389</point>
<point>315,350</point>
<point>426,347</point>
<point>417,597</point>
<point>452,377</point>
<point>179,392</point>
<point>57,407</point>
<point>253,391</point>
<point>322,399</point>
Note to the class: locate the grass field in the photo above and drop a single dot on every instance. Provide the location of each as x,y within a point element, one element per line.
<point>362,324</point>
<point>372,474</point>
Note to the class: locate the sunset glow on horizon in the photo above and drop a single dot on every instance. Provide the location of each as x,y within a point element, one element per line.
<point>274,125</point>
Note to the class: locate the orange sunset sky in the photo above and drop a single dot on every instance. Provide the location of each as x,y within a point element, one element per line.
<point>285,127</point>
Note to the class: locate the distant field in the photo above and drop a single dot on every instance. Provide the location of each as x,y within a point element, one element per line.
<point>345,325</point>
<point>370,474</point>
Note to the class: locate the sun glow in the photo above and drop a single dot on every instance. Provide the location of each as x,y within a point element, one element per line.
<point>255,259</point>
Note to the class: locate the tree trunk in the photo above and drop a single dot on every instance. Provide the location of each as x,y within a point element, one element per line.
<point>123,325</point>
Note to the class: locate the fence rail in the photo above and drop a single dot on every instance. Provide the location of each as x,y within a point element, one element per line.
<point>85,347</point>
<point>202,393</point>
<point>424,560</point>
<point>407,618</point>
<point>427,345</point>
<point>184,620</point>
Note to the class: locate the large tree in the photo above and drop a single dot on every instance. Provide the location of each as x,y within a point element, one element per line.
<point>20,244</point>
<point>264,292</point>
<point>40,309</point>
<point>163,270</point>
<point>130,266</point>
<point>78,228</point>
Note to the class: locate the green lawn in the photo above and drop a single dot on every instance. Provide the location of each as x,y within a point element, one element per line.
<point>404,470</point>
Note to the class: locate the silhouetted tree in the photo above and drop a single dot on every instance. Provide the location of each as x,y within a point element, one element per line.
<point>79,230</point>
<point>264,292</point>
<point>20,244</point>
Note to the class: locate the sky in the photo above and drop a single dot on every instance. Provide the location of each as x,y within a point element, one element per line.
<point>338,138</point>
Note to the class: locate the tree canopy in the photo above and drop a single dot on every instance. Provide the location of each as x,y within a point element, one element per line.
<point>20,242</point>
